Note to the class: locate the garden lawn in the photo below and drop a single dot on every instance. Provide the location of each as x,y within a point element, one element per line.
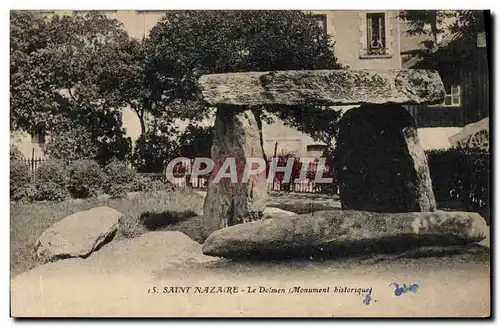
<point>175,210</point>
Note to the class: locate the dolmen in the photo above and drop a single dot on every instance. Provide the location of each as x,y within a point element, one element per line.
<point>385,185</point>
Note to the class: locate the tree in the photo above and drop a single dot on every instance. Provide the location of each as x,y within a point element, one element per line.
<point>462,24</point>
<point>187,44</point>
<point>136,86</point>
<point>65,75</point>
<point>33,94</point>
<point>426,22</point>
<point>195,142</point>
<point>152,151</point>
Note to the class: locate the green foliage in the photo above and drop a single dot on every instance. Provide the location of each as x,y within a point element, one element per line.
<point>71,144</point>
<point>16,154</point>
<point>51,181</point>
<point>85,178</point>
<point>461,175</point>
<point>119,178</point>
<point>456,30</point>
<point>50,191</point>
<point>140,183</point>
<point>187,44</point>
<point>465,23</point>
<point>151,152</point>
<point>25,194</point>
<point>65,76</point>
<point>79,143</point>
<point>319,122</point>
<point>20,181</point>
<point>52,170</point>
<point>195,142</point>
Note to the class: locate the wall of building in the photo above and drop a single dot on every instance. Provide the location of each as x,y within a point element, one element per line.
<point>23,141</point>
<point>348,29</point>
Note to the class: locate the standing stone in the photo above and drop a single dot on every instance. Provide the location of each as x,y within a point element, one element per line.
<point>380,164</point>
<point>237,134</point>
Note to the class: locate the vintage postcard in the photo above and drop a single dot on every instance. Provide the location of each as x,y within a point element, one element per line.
<point>250,163</point>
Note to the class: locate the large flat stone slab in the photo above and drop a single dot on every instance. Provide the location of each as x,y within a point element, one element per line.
<point>340,233</point>
<point>380,163</point>
<point>77,235</point>
<point>326,87</point>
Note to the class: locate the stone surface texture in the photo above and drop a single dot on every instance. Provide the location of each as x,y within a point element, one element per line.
<point>380,164</point>
<point>77,235</point>
<point>237,134</point>
<point>338,233</point>
<point>325,87</point>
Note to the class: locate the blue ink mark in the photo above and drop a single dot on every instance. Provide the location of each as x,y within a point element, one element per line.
<point>404,289</point>
<point>368,298</point>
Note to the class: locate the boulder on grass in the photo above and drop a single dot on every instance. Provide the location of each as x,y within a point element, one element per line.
<point>77,235</point>
<point>338,233</point>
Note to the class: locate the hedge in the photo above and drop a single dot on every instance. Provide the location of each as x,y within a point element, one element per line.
<point>461,175</point>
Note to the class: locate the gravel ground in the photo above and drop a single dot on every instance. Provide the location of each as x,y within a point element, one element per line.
<point>114,282</point>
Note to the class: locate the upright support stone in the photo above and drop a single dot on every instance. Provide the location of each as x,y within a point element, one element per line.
<point>380,164</point>
<point>237,134</point>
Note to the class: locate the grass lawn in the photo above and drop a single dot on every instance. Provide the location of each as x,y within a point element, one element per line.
<point>179,210</point>
<point>175,210</point>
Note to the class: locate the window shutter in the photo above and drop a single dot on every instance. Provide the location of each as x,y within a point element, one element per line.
<point>369,31</point>
<point>382,29</point>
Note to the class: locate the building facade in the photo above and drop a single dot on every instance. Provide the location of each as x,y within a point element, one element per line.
<point>362,40</point>
<point>464,68</point>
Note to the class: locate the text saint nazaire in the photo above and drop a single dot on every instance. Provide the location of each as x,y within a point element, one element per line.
<point>204,289</point>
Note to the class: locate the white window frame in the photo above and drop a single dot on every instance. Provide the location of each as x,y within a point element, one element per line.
<point>454,96</point>
<point>363,34</point>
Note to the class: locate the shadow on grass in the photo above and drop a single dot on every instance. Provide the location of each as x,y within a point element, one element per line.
<point>302,208</point>
<point>157,220</point>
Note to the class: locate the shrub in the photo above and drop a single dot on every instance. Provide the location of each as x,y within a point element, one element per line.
<point>50,191</point>
<point>52,170</point>
<point>16,154</point>
<point>27,193</point>
<point>78,142</point>
<point>20,180</point>
<point>461,175</point>
<point>51,181</point>
<point>119,178</point>
<point>85,178</point>
<point>140,183</point>
<point>151,151</point>
<point>71,144</point>
<point>158,185</point>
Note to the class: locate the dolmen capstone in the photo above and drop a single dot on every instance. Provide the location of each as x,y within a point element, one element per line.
<point>381,166</point>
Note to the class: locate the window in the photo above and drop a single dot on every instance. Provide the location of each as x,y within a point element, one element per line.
<point>452,99</point>
<point>481,40</point>
<point>375,33</point>
<point>38,137</point>
<point>321,19</point>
